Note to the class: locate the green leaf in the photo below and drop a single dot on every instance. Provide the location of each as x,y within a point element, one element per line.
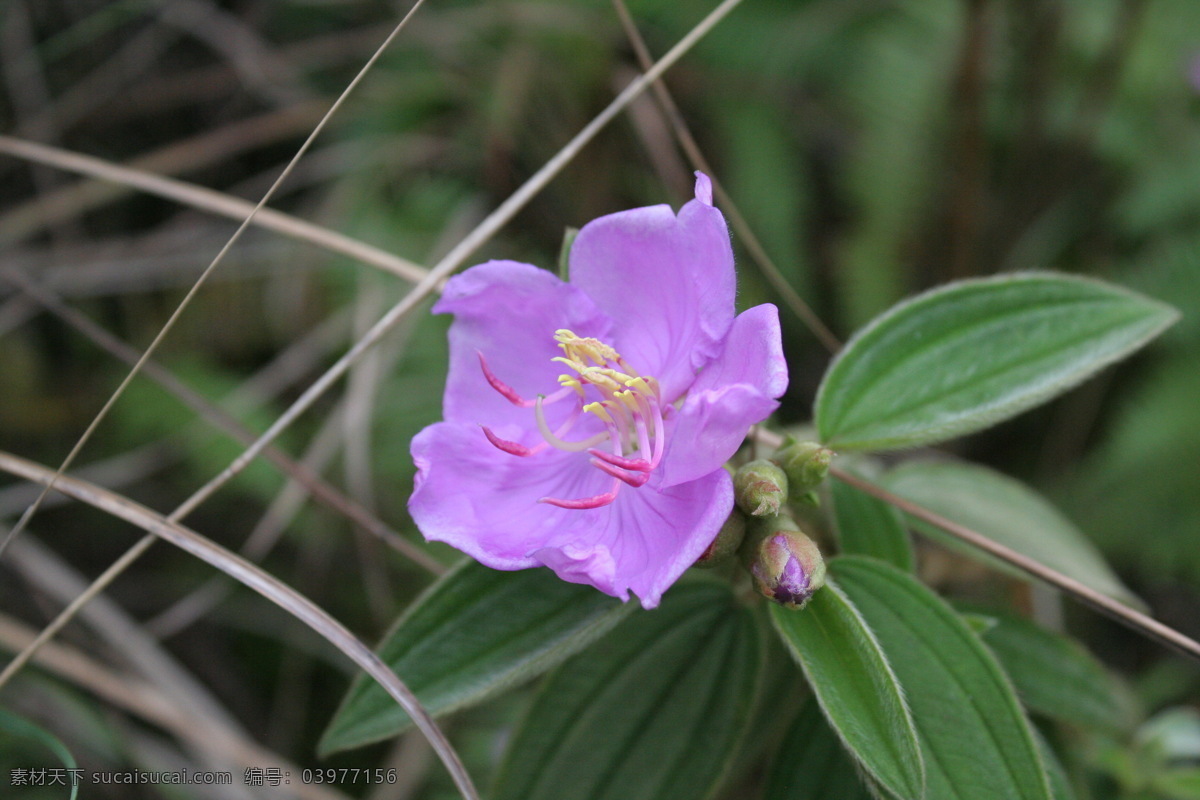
<point>1060,786</point>
<point>870,527</point>
<point>473,633</point>
<point>1179,784</point>
<point>855,687</point>
<point>970,354</point>
<point>974,736</point>
<point>15,729</point>
<point>1056,676</point>
<point>656,709</point>
<point>812,764</point>
<point>1008,512</point>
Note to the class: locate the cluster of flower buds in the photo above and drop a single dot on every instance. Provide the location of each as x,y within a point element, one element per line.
<point>785,563</point>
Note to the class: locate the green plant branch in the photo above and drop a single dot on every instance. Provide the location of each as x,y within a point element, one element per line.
<point>251,576</point>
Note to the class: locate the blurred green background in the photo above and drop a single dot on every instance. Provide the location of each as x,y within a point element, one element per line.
<point>875,147</point>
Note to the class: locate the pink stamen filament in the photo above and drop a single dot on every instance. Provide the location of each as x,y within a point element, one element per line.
<point>513,448</point>
<point>635,480</point>
<point>635,464</point>
<point>595,501</point>
<point>511,394</point>
<point>633,413</point>
<point>660,434</point>
<point>518,449</point>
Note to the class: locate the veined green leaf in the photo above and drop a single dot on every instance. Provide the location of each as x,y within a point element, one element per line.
<point>870,527</point>
<point>473,633</point>
<point>14,729</point>
<point>974,736</point>
<point>1008,512</point>
<point>967,355</point>
<point>812,764</point>
<point>656,709</point>
<point>1055,676</point>
<point>855,687</point>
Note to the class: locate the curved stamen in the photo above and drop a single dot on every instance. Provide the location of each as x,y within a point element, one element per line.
<point>518,449</point>
<point>635,464</point>
<point>660,433</point>
<point>643,436</point>
<point>635,480</point>
<point>562,444</point>
<point>515,448</point>
<point>595,501</point>
<point>510,394</point>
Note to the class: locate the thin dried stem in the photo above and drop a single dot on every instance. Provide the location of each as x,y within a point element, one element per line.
<point>255,578</point>
<point>458,254</point>
<point>214,202</point>
<point>137,697</point>
<point>690,148</point>
<point>1114,609</point>
<point>287,170</point>
<point>217,417</point>
<point>193,153</point>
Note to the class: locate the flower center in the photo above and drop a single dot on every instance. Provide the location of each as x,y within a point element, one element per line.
<point>630,406</point>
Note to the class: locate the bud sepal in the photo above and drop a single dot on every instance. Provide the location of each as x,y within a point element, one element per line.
<point>760,488</point>
<point>785,563</point>
<point>726,542</point>
<point>806,464</point>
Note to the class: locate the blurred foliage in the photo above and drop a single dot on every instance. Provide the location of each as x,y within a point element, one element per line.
<point>877,147</point>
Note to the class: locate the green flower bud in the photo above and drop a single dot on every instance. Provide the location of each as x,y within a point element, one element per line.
<point>806,464</point>
<point>726,542</point>
<point>786,565</point>
<point>760,488</point>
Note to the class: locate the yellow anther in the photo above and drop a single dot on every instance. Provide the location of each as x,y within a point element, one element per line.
<point>572,382</point>
<point>579,348</point>
<point>629,399</point>
<point>600,411</point>
<point>640,384</point>
<point>598,377</point>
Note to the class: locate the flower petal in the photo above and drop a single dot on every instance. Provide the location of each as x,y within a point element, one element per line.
<point>733,392</point>
<point>646,541</point>
<point>484,502</point>
<point>752,353</point>
<point>666,281</point>
<point>509,312</point>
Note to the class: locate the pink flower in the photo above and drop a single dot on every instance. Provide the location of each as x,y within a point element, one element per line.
<point>587,423</point>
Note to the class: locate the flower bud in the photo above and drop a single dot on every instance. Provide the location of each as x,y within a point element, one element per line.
<point>726,542</point>
<point>806,464</point>
<point>786,565</point>
<point>760,488</point>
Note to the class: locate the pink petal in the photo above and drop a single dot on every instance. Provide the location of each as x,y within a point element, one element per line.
<point>666,281</point>
<point>733,392</point>
<point>646,542</point>
<point>509,312</point>
<point>484,502</point>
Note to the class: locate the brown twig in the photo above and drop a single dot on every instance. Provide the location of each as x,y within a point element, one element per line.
<point>687,141</point>
<point>321,489</point>
<point>255,578</point>
<point>1104,604</point>
<point>216,261</point>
